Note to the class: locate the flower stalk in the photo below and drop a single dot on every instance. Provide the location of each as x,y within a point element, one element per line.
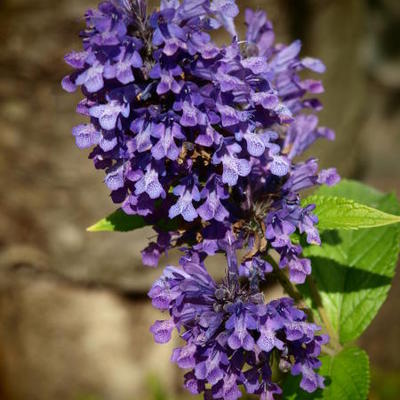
<point>316,300</point>
<point>207,137</point>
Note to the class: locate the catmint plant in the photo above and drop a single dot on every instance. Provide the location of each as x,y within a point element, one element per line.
<point>204,143</point>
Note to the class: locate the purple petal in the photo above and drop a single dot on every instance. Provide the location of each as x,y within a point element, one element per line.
<point>314,64</point>
<point>115,180</point>
<point>68,85</point>
<point>86,135</point>
<point>279,166</point>
<point>255,144</point>
<point>162,331</point>
<point>328,177</point>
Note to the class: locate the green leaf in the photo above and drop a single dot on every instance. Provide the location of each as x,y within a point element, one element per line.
<point>346,378</point>
<point>353,270</point>
<point>354,190</point>
<point>341,213</point>
<point>118,221</point>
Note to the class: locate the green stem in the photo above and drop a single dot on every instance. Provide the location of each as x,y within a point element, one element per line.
<point>294,293</point>
<point>288,286</point>
<point>316,298</point>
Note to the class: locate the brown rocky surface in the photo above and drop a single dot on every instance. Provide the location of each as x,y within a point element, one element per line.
<point>61,340</point>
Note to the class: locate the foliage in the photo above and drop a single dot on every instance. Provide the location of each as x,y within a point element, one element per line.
<point>347,377</point>
<point>352,274</point>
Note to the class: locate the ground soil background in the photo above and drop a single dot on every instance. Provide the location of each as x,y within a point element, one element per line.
<point>74,316</point>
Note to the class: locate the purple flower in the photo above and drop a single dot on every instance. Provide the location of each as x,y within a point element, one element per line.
<point>86,135</point>
<point>208,136</point>
<point>166,146</point>
<point>152,253</point>
<point>302,133</point>
<point>255,267</point>
<point>212,208</point>
<point>240,323</point>
<point>122,69</point>
<point>279,166</point>
<point>115,178</point>
<point>166,102</point>
<point>108,114</point>
<point>255,144</point>
<point>143,131</point>
<point>225,11</point>
<point>92,78</point>
<point>233,167</point>
<point>313,64</point>
<point>184,206</point>
<point>260,34</point>
<point>169,83</point>
<point>189,115</point>
<point>226,326</point>
<point>328,177</point>
<point>162,331</point>
<point>229,115</point>
<point>268,336</point>
<point>150,184</point>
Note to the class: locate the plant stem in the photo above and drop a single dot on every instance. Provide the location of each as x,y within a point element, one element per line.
<point>294,293</point>
<point>316,298</point>
<point>288,286</point>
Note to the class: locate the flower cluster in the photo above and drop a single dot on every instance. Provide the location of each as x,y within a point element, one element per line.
<point>207,138</point>
<point>205,135</point>
<point>232,337</point>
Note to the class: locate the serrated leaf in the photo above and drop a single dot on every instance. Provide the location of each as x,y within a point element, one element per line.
<point>343,213</point>
<point>354,190</point>
<point>353,269</point>
<point>118,221</point>
<point>346,378</point>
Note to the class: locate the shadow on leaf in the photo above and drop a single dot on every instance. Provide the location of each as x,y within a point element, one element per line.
<point>333,277</point>
<point>292,391</point>
<point>331,237</point>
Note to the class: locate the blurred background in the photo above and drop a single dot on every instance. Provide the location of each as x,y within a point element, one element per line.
<point>74,315</point>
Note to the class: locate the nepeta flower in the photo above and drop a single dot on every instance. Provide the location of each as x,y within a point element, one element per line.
<point>166,102</point>
<point>231,335</point>
<point>207,138</point>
